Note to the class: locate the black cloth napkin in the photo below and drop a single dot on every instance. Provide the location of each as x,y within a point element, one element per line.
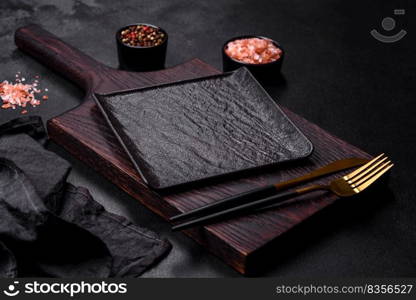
<point>49,227</point>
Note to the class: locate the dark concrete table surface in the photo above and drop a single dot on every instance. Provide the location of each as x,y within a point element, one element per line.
<point>336,75</point>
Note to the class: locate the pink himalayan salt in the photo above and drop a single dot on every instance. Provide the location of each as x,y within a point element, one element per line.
<point>19,94</point>
<point>253,50</point>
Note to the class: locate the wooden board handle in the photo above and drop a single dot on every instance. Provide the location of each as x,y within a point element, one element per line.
<point>56,54</point>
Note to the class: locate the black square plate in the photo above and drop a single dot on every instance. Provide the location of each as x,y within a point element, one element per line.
<point>191,130</point>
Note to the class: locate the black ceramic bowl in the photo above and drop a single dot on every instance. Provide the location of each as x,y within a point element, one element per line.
<point>263,72</point>
<point>138,58</point>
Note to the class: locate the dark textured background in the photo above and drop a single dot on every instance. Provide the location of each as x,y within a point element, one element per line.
<point>336,75</point>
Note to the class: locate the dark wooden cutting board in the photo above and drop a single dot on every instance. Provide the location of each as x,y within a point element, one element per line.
<point>84,133</point>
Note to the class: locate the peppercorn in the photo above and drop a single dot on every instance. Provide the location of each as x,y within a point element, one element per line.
<point>142,36</point>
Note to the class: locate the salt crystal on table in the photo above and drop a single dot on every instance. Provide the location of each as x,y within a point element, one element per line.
<point>18,93</point>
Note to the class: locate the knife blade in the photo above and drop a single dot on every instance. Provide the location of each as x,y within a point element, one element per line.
<point>265,191</point>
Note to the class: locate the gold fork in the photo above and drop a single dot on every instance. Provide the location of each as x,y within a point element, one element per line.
<point>346,186</point>
<point>356,181</point>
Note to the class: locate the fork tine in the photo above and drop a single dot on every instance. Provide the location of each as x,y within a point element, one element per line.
<point>373,178</point>
<point>358,177</point>
<point>364,167</point>
<point>370,174</point>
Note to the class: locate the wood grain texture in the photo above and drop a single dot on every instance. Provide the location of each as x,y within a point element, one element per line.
<point>84,133</point>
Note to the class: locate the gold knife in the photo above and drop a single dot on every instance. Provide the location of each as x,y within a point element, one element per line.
<point>242,198</point>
